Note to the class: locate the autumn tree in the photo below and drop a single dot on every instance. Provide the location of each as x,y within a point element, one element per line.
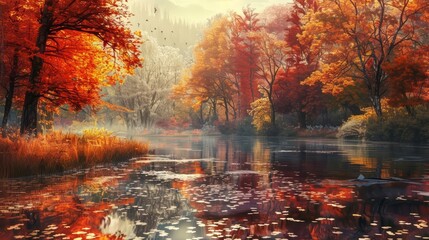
<point>245,56</point>
<point>409,80</point>
<point>211,80</point>
<point>16,29</point>
<point>303,61</point>
<point>146,92</point>
<point>275,19</point>
<point>272,60</point>
<point>80,84</point>
<point>103,19</point>
<point>359,40</point>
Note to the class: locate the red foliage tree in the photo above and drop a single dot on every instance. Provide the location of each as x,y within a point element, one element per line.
<point>59,20</point>
<point>246,57</point>
<point>16,26</point>
<point>409,80</point>
<point>292,96</point>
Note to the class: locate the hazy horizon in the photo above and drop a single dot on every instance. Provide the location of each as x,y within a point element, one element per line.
<point>198,11</point>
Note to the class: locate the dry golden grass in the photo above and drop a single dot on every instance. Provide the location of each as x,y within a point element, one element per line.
<point>57,152</point>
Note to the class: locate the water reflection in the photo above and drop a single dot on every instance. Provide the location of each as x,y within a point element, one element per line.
<point>231,188</point>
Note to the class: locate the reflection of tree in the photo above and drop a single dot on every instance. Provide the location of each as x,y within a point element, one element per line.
<point>385,160</point>
<point>300,198</point>
<point>261,160</point>
<point>383,206</point>
<point>155,202</point>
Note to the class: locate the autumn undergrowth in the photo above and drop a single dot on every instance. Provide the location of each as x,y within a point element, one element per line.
<point>395,126</point>
<point>398,126</point>
<point>57,152</point>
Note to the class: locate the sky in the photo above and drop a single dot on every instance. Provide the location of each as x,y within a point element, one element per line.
<point>225,5</point>
<point>198,11</point>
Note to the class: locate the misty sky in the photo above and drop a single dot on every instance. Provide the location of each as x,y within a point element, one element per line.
<point>225,5</point>
<point>201,10</point>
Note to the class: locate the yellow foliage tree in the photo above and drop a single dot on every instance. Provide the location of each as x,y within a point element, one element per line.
<point>209,80</point>
<point>261,113</point>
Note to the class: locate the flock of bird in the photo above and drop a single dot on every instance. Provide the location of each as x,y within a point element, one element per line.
<point>155,11</point>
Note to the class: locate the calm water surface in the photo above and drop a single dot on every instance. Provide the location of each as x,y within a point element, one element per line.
<point>231,188</point>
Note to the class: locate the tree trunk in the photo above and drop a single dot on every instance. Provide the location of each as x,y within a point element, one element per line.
<point>225,102</point>
<point>273,116</point>
<point>376,102</point>
<point>11,91</point>
<point>410,110</point>
<point>29,114</point>
<point>32,97</point>
<point>273,112</point>
<point>302,119</point>
<point>215,115</point>
<point>272,108</point>
<point>201,114</point>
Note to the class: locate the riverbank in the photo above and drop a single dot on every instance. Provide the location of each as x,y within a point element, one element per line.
<point>58,152</point>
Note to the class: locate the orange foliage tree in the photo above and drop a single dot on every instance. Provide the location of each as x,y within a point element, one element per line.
<point>360,39</point>
<point>64,21</point>
<point>210,80</point>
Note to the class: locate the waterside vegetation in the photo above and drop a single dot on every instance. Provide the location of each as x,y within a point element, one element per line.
<point>57,152</point>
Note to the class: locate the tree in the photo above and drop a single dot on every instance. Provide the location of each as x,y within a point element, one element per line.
<point>272,59</point>
<point>83,68</point>
<point>245,57</point>
<point>261,113</point>
<point>100,18</point>
<point>359,39</point>
<point>275,19</point>
<point>16,28</point>
<point>303,61</point>
<point>147,91</point>
<point>408,81</point>
<point>211,80</point>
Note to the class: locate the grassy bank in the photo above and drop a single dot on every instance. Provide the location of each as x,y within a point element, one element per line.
<point>57,152</point>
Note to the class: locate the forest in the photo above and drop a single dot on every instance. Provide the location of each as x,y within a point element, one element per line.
<point>354,69</point>
<point>316,63</point>
<point>214,119</point>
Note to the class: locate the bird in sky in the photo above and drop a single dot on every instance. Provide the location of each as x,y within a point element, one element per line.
<point>155,10</point>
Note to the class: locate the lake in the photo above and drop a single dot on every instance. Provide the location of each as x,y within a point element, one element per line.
<point>219,187</point>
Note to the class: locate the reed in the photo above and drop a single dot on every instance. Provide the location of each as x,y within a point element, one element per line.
<point>57,152</point>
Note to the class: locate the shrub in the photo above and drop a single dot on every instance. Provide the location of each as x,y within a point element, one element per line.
<point>396,126</point>
<point>245,127</point>
<point>356,126</point>
<point>399,127</point>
